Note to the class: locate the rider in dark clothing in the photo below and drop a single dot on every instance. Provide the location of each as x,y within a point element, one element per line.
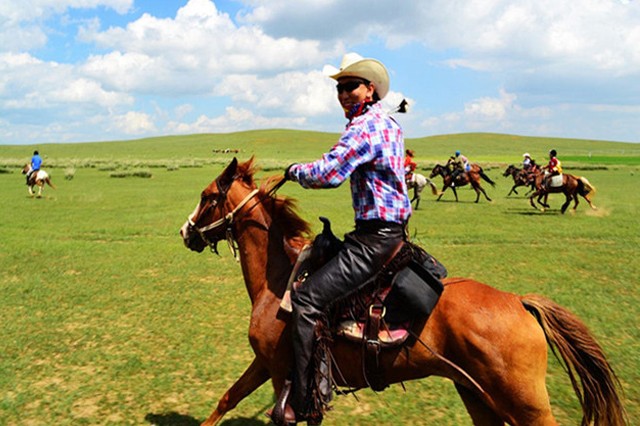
<point>460,165</point>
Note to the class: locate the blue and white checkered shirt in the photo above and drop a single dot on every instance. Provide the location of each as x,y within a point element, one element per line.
<point>371,151</point>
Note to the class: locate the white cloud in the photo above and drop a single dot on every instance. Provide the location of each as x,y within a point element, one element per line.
<point>491,109</point>
<point>27,82</point>
<point>234,119</point>
<point>22,25</point>
<point>182,110</point>
<point>192,52</point>
<point>86,91</point>
<point>134,123</point>
<point>297,93</point>
<point>18,11</point>
<point>18,38</point>
<point>564,33</point>
<point>489,114</point>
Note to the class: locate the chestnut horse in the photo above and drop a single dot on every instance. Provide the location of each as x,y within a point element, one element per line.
<point>571,187</point>
<point>471,177</point>
<point>38,179</point>
<point>491,344</point>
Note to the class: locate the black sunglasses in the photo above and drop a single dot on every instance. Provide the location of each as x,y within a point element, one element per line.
<point>350,85</point>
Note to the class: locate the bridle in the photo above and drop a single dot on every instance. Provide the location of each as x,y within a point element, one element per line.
<point>228,220</point>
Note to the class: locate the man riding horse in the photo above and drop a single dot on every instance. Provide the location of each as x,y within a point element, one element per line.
<point>460,165</point>
<point>369,152</point>
<point>553,168</point>
<point>36,163</point>
<point>409,165</point>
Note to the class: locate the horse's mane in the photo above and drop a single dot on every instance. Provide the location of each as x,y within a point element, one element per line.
<point>283,211</point>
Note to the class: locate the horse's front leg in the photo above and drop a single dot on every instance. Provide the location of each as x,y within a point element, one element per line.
<point>546,199</point>
<point>250,380</point>
<point>542,195</point>
<point>478,194</point>
<point>30,188</point>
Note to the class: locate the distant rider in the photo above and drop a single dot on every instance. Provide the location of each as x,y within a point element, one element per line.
<point>553,168</point>
<point>36,162</point>
<point>529,167</point>
<point>460,165</point>
<point>409,165</point>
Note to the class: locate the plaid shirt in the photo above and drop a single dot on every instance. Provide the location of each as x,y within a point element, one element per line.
<point>371,152</point>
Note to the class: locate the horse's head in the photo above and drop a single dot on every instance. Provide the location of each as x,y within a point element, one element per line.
<point>212,219</point>
<point>509,170</point>
<point>437,170</point>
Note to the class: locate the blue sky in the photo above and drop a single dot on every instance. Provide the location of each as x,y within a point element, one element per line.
<point>94,70</point>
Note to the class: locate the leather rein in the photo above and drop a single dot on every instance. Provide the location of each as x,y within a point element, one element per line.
<point>227,221</point>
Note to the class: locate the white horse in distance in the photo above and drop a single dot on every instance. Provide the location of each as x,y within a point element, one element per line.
<point>418,182</point>
<point>37,179</point>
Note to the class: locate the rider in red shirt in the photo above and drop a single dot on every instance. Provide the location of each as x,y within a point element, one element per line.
<point>554,168</point>
<point>409,165</point>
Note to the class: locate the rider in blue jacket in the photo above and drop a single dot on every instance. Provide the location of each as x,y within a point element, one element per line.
<point>36,162</point>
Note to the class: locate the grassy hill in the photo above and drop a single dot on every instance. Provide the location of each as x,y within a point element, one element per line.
<point>277,148</point>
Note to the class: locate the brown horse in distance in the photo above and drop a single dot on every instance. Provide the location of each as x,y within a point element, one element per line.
<point>521,177</point>
<point>471,177</point>
<point>571,187</point>
<point>498,339</point>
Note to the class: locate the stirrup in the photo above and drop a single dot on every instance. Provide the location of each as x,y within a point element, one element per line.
<point>277,415</point>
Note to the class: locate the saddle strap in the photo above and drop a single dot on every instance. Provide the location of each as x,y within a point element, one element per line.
<point>373,373</point>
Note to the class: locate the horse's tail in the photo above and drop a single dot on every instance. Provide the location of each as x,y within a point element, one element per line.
<point>584,187</point>
<point>485,177</point>
<point>434,188</point>
<point>583,357</point>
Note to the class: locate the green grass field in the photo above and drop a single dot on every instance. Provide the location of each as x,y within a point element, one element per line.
<point>107,319</point>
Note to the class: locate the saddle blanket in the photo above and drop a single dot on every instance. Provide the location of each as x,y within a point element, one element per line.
<point>556,181</point>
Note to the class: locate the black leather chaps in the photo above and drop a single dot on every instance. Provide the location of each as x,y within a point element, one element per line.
<point>364,253</point>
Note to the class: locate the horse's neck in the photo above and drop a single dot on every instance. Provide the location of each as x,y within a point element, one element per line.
<point>263,258</point>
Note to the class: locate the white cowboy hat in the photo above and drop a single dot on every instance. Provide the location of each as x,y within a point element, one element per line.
<point>526,154</point>
<point>354,65</point>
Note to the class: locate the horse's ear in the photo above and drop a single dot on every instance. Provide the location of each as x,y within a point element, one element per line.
<point>226,178</point>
